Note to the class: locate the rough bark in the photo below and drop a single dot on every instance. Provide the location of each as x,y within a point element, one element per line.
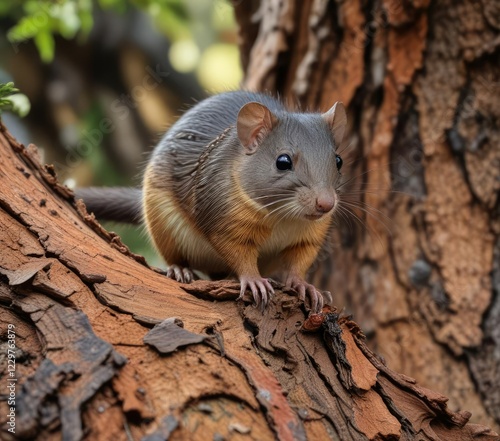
<point>420,81</point>
<point>88,366</point>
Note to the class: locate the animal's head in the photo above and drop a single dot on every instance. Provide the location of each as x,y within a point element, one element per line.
<point>291,166</point>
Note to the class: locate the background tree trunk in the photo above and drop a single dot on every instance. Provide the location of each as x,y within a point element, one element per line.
<point>421,83</point>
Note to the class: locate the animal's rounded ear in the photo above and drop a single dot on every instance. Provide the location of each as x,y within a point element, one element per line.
<point>254,123</point>
<point>337,121</point>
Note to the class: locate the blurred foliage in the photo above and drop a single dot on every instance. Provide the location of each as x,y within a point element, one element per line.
<point>11,100</point>
<point>183,22</point>
<point>41,20</point>
<point>5,91</point>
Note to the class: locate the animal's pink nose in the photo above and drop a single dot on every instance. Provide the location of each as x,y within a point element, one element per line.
<point>325,202</point>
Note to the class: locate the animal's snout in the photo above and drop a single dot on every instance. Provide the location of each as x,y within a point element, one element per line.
<point>325,202</point>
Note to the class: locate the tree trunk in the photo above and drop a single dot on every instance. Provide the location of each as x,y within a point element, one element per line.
<point>77,307</point>
<point>421,83</point>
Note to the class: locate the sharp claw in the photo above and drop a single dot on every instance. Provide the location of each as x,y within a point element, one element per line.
<point>255,293</point>
<point>242,290</point>
<point>316,298</point>
<point>263,294</point>
<point>188,275</point>
<point>178,274</point>
<point>321,302</point>
<point>329,297</point>
<point>269,288</point>
<point>261,290</point>
<point>302,292</point>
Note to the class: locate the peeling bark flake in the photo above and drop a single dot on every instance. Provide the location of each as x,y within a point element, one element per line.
<point>169,335</point>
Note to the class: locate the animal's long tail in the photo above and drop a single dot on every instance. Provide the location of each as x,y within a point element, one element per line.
<point>119,204</point>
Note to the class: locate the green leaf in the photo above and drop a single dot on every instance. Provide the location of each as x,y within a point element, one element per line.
<point>46,18</point>
<point>28,27</point>
<point>20,104</point>
<point>11,100</point>
<point>7,89</point>
<point>45,43</point>
<point>68,20</point>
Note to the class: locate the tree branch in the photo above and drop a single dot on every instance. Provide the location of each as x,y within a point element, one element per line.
<point>88,364</point>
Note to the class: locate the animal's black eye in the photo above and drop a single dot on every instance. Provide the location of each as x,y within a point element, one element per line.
<point>339,162</point>
<point>284,162</point>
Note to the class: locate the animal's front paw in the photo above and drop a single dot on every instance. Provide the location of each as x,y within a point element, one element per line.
<point>182,275</point>
<point>316,296</point>
<point>260,287</point>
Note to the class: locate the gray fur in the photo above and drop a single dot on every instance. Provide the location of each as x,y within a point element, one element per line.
<point>179,151</point>
<point>119,204</point>
<point>306,137</point>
